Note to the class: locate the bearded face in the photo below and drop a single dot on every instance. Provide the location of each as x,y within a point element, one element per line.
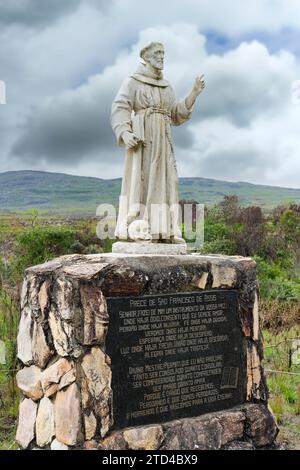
<point>155,57</point>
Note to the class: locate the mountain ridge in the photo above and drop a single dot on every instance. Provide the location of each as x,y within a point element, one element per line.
<point>61,192</point>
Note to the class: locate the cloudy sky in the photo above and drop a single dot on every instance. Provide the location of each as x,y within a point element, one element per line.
<point>63,61</point>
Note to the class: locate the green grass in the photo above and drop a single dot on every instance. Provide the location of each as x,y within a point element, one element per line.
<point>8,417</point>
<point>283,381</point>
<point>26,241</point>
<point>9,396</point>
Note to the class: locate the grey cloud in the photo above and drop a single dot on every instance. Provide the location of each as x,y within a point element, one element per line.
<point>40,12</point>
<point>238,100</point>
<point>235,164</point>
<point>66,129</point>
<point>34,12</point>
<point>183,137</point>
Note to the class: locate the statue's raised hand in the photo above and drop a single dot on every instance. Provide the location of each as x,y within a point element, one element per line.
<point>199,85</point>
<point>130,140</point>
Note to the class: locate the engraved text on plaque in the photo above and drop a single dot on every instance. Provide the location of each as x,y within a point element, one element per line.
<point>174,355</point>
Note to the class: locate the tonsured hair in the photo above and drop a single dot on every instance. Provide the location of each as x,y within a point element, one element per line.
<point>148,47</point>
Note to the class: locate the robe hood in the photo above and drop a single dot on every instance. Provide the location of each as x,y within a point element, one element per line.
<point>144,75</point>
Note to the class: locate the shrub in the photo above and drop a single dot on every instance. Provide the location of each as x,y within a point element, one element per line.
<point>39,244</point>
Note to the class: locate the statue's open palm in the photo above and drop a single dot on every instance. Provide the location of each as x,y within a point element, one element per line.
<point>199,85</point>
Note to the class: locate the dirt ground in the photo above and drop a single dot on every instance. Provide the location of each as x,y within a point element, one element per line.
<point>289,434</point>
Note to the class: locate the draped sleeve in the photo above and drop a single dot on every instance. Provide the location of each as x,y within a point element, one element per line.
<point>121,110</point>
<point>179,111</point>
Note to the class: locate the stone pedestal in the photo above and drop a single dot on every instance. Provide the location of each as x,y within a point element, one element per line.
<point>148,248</point>
<point>66,374</point>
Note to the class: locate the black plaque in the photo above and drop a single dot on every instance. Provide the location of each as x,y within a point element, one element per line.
<point>174,355</point>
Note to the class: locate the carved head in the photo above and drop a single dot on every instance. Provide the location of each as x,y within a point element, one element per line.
<point>153,54</point>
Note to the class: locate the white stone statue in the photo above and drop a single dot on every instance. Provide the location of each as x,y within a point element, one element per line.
<point>143,112</point>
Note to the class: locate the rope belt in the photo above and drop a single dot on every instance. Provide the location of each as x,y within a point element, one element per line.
<point>153,109</point>
<point>167,118</point>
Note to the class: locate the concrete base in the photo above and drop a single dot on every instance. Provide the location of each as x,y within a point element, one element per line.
<point>148,248</point>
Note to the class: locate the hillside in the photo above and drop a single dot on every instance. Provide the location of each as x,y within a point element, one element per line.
<point>61,193</point>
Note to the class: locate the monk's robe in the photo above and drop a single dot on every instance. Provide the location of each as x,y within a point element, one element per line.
<point>147,106</point>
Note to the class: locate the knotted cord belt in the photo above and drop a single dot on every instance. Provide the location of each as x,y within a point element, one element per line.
<point>167,118</point>
<point>153,109</point>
